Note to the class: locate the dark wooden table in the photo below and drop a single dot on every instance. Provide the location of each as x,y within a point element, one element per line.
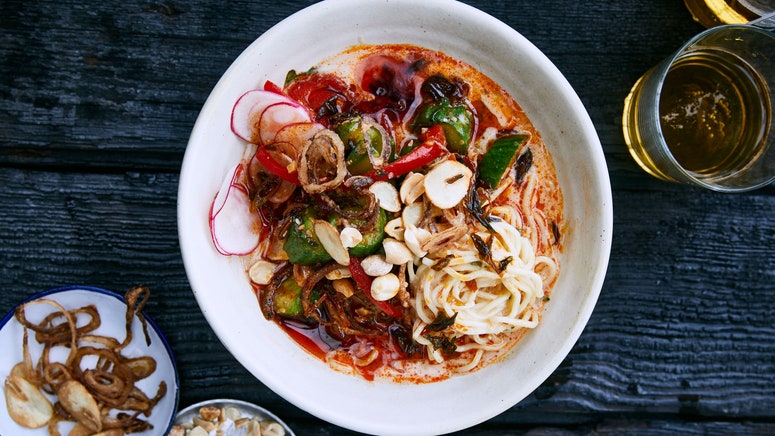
<point>97,100</point>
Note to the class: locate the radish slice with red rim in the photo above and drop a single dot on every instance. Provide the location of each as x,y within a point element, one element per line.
<point>220,197</point>
<point>278,115</point>
<point>233,225</point>
<point>249,109</point>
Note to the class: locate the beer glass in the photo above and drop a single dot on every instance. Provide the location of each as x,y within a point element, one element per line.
<point>712,13</point>
<point>703,116</point>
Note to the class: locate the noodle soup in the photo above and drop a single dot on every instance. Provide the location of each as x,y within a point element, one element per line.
<point>398,214</point>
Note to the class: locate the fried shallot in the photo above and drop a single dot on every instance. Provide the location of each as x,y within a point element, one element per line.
<point>95,385</point>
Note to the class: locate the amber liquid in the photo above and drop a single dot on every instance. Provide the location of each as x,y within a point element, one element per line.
<point>712,114</point>
<point>712,13</point>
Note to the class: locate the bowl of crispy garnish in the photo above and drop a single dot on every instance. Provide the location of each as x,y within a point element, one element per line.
<point>228,417</point>
<point>80,360</point>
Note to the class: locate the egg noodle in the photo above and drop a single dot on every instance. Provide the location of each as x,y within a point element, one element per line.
<point>499,302</point>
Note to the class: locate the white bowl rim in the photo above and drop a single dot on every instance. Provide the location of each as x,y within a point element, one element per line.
<point>190,227</point>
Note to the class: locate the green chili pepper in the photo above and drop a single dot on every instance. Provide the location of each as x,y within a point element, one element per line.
<point>357,146</point>
<point>371,240</point>
<point>304,248</point>
<point>287,299</point>
<point>457,122</point>
<point>499,158</point>
<point>302,245</point>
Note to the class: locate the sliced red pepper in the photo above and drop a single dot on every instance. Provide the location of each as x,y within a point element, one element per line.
<point>318,90</point>
<point>274,167</point>
<point>363,281</point>
<point>433,146</point>
<point>272,87</point>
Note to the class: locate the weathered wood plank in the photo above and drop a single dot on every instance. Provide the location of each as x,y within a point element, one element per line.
<point>117,76</point>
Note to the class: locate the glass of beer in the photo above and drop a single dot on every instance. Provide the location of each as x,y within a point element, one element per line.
<point>703,116</point>
<point>712,13</point>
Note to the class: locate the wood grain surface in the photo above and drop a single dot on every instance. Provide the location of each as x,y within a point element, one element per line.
<point>97,100</point>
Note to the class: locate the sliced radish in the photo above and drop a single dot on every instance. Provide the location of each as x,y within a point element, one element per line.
<point>278,115</point>
<point>233,226</point>
<point>249,108</point>
<point>220,198</point>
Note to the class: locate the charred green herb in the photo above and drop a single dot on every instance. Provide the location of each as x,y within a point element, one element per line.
<point>443,343</point>
<point>555,232</point>
<point>505,263</point>
<point>474,207</point>
<point>403,338</point>
<point>441,322</point>
<point>481,246</point>
<point>485,251</point>
<point>438,87</point>
<point>523,164</point>
<point>328,108</point>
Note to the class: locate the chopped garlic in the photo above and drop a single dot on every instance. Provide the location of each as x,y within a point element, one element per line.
<point>261,272</point>
<point>396,251</point>
<point>386,195</point>
<point>447,183</point>
<point>376,265</point>
<point>385,287</point>
<point>350,237</point>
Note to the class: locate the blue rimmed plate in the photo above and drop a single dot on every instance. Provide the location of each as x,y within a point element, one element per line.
<point>112,309</point>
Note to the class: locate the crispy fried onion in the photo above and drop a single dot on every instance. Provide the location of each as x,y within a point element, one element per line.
<point>363,217</point>
<point>321,163</point>
<point>94,361</point>
<point>267,295</point>
<point>342,316</point>
<point>265,186</point>
<point>353,316</point>
<point>309,284</point>
<point>380,160</point>
<point>367,214</point>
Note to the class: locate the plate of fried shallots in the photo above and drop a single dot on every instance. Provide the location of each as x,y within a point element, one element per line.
<point>81,360</point>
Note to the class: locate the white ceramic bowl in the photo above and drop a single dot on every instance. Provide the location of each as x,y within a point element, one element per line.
<point>221,286</point>
<point>112,310</point>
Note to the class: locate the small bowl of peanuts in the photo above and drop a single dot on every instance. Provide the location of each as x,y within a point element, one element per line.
<point>225,417</point>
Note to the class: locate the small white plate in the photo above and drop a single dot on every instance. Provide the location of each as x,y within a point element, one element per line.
<point>247,410</point>
<point>112,310</point>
